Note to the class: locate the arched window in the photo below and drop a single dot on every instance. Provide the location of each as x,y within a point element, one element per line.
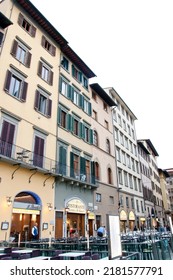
<point>97,171</point>
<point>108,148</point>
<point>95,138</point>
<point>109,176</point>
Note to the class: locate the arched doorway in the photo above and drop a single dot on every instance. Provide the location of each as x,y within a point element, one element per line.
<point>26,212</point>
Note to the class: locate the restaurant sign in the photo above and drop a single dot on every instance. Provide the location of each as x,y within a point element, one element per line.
<point>76,206</point>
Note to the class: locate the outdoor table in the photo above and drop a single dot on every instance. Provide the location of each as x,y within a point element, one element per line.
<point>72,255</point>
<point>38,258</point>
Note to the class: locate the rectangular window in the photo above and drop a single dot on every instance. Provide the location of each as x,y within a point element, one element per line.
<point>95,115</point>
<point>16,86</point>
<point>76,127</point>
<point>106,124</point>
<point>105,107</point>
<point>111,199</point>
<point>126,179</point>
<point>75,97</point>
<point>94,96</point>
<point>64,87</point>
<point>98,197</point>
<point>120,177</point>
<point>65,63</point>
<point>76,74</point>
<point>127,201</point>
<point>43,104</point>
<point>26,25</point>
<point>21,53</point>
<point>85,82</point>
<point>48,46</point>
<point>45,73</point>
<point>6,138</point>
<point>137,205</point>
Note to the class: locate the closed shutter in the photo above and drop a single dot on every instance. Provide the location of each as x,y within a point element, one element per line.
<point>60,84</point>
<point>43,41</point>
<point>53,50</point>
<point>81,101</point>
<point>33,31</point>
<point>62,160</point>
<point>92,172</point>
<point>40,65</point>
<point>20,19</point>
<point>69,93</point>
<point>38,151</point>
<point>69,122</point>
<point>50,78</point>
<point>82,166</point>
<point>7,136</point>
<point>89,109</point>
<point>91,136</point>
<point>37,95</point>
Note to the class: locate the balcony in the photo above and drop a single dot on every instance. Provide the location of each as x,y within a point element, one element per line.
<point>22,157</point>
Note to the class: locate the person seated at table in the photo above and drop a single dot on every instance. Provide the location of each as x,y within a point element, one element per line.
<point>101,232</point>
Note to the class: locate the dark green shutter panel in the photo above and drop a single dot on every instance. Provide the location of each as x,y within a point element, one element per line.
<point>73,70</point>
<point>69,91</point>
<point>72,94</point>
<point>92,172</point>
<point>82,166</point>
<point>69,120</point>
<point>62,160</point>
<point>80,76</point>
<point>72,123</point>
<point>71,164</point>
<point>81,101</point>
<point>59,116</point>
<point>89,109</point>
<point>81,133</point>
<point>91,136</point>
<point>60,84</point>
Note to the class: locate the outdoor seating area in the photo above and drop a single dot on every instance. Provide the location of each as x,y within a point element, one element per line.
<point>148,245</point>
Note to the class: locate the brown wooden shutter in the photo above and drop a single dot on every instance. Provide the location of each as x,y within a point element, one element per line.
<point>50,78</point>
<point>33,31</point>
<point>1,37</point>
<point>8,80</point>
<point>49,108</point>
<point>24,91</point>
<point>28,59</point>
<point>53,50</point>
<point>43,41</point>
<point>37,95</point>
<point>40,68</point>
<point>20,19</point>
<point>14,48</point>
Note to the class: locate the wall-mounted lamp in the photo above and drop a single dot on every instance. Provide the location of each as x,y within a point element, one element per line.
<point>66,209</point>
<point>49,206</point>
<point>9,200</point>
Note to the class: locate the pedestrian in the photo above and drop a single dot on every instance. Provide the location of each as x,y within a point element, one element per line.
<point>101,232</point>
<point>135,228</point>
<point>35,232</point>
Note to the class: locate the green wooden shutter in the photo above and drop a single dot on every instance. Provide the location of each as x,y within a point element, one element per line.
<point>89,108</point>
<point>62,160</point>
<point>80,76</point>
<point>91,136</point>
<point>59,116</point>
<point>69,122</point>
<point>72,94</point>
<point>82,166</point>
<point>73,70</point>
<point>60,84</point>
<point>93,172</point>
<point>81,101</point>
<point>69,91</point>
<point>71,164</point>
<point>81,133</point>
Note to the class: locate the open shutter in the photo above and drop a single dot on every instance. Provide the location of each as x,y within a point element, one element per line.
<point>51,78</point>
<point>37,95</point>
<point>89,108</point>
<point>81,101</point>
<point>1,37</point>
<point>14,48</point>
<point>24,91</point>
<point>69,122</point>
<point>8,80</point>
<point>53,50</point>
<point>69,93</point>
<point>91,136</point>
<point>71,164</point>
<point>40,65</point>
<point>49,107</point>
<point>60,84</point>
<point>28,59</point>
<point>59,116</point>
<point>20,19</point>
<point>92,172</point>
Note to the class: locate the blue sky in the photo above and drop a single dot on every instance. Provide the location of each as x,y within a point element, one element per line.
<point>129,46</point>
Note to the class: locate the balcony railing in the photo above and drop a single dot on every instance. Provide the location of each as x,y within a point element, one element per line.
<point>28,159</point>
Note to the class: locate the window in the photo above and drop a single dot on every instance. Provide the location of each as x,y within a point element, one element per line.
<point>119,120</point>
<point>21,53</point>
<point>126,179</point>
<point>65,63</point>
<point>85,82</point>
<point>108,149</point>
<point>62,160</point>
<point>124,125</point>
<point>64,87</point>
<point>76,74</point>
<point>105,107</point>
<point>87,106</point>
<point>106,124</point>
<point>45,73</point>
<point>130,181</point>
<point>95,115</point>
<point>111,199</point>
<point>137,205</point>
<point>123,158</point>
<point>94,96</point>
<point>95,138</point>
<point>16,86</point>
<point>121,139</point>
<point>128,161</point>
<point>26,25</point>
<point>118,154</point>
<point>48,46</point>
<point>121,200</point>
<point>98,197</point>
<point>132,203</point>
<point>75,97</point>
<point>129,130</point>
<point>86,133</point>
<point>127,201</point>
<point>120,177</point>
<point>142,207</point>
<point>109,176</point>
<point>126,143</point>
<point>116,134</point>
<point>43,104</point>
<point>97,173</point>
<point>76,127</point>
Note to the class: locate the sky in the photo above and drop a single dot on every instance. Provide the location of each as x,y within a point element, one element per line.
<point>128,44</point>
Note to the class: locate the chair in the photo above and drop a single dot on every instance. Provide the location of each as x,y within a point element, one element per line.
<point>86,258</point>
<point>16,256</point>
<point>95,256</point>
<point>6,258</point>
<point>8,250</point>
<point>35,253</point>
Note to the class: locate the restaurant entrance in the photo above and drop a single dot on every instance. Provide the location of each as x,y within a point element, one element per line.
<point>75,225</point>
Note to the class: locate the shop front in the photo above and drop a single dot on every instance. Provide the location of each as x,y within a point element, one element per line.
<point>131,220</point>
<point>123,221</point>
